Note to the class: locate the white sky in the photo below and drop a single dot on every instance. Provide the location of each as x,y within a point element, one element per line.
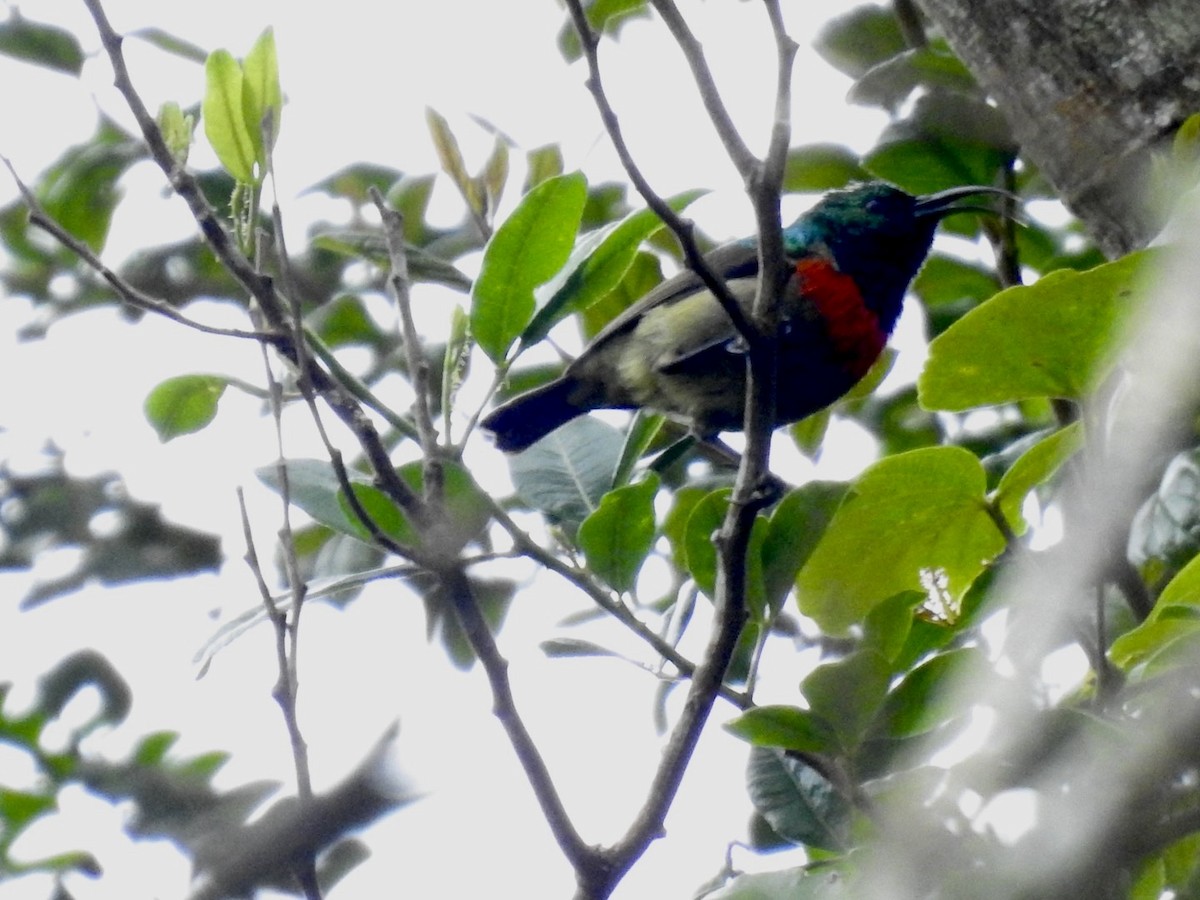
<point>358,76</point>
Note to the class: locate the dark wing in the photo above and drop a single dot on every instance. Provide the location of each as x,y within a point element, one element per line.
<point>735,260</point>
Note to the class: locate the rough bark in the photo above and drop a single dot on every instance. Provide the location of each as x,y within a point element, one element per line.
<point>1092,88</point>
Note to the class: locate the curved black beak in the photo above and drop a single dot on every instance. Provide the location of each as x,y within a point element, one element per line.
<point>945,203</point>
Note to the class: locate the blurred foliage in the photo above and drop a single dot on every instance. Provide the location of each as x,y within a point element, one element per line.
<point>886,578</point>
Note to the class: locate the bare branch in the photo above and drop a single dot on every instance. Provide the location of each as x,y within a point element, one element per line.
<point>458,586</point>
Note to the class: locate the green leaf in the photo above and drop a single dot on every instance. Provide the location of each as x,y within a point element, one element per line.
<point>526,250</point>
<point>43,45</point>
<point>262,97</point>
<point>596,266</point>
<point>797,801</point>
<point>945,280</point>
<point>705,520</point>
<point>821,167</point>
<point>1035,466</point>
<point>795,527</point>
<point>786,727</point>
<point>911,522</point>
<point>644,273</point>
<point>184,404</point>
<point>848,693</point>
<point>1055,338</point>
<point>567,473</point>
<point>948,139</point>
<point>224,118</point>
<point>641,434</point>
<point>919,703</point>
<point>617,537</point>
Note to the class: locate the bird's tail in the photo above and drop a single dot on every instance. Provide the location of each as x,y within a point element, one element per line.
<point>533,415</point>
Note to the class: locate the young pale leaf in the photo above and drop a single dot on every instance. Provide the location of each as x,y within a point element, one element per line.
<point>914,521</point>
<point>184,404</point>
<point>786,727</point>
<point>224,118</point>
<point>567,472</point>
<point>262,97</point>
<point>526,250</point>
<point>176,130</point>
<point>451,159</point>
<point>1055,338</point>
<point>617,537</point>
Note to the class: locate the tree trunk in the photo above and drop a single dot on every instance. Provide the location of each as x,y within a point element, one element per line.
<point>1091,88</point>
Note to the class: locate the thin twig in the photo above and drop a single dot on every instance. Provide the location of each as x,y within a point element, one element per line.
<point>285,696</point>
<point>418,365</point>
<point>456,583</point>
<point>133,296</point>
<point>526,546</point>
<point>260,286</point>
<point>681,228</point>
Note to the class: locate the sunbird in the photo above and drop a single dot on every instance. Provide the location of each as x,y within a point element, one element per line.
<point>675,351</point>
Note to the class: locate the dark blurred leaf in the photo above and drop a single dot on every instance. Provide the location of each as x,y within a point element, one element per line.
<point>79,191</point>
<point>797,801</point>
<point>948,139</point>
<point>821,167</point>
<point>565,474</point>
<point>354,182</point>
<point>889,83</point>
<point>1165,534</point>
<point>44,45</point>
<point>923,699</point>
<point>862,38</point>
<point>53,510</point>
<point>170,43</point>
